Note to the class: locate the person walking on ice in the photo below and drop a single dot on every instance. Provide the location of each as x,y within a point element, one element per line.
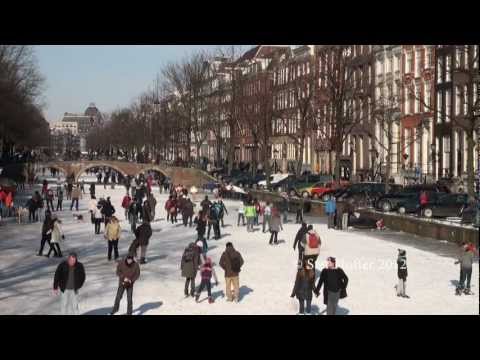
<point>334,282</point>
<point>303,288</point>
<point>69,277</point>
<point>189,266</point>
<point>231,261</point>
<point>206,271</point>
<point>402,274</point>
<point>465,259</point>
<point>128,271</point>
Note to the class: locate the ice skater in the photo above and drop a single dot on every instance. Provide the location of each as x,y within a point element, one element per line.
<point>402,274</point>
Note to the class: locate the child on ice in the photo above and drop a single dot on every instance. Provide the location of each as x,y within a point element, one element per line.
<point>206,271</point>
<point>402,273</point>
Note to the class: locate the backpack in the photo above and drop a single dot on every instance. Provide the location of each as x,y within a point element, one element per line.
<point>313,241</point>
<point>188,255</point>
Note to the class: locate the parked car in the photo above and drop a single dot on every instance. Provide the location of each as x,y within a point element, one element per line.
<point>393,200</point>
<point>365,193</point>
<point>274,179</point>
<point>322,190</point>
<point>440,204</point>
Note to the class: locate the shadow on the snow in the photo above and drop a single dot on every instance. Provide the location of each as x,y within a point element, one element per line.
<point>281,241</point>
<point>101,311</point>
<point>455,283</point>
<point>157,257</point>
<point>218,294</point>
<point>315,310</point>
<point>146,307</point>
<point>243,291</point>
<point>225,235</point>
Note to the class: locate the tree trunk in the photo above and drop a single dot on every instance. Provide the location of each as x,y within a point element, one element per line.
<point>470,165</point>
<point>300,157</point>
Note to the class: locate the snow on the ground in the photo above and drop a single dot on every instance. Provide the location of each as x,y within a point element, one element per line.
<point>266,279</point>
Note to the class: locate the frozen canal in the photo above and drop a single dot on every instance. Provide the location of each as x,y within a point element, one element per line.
<point>266,279</point>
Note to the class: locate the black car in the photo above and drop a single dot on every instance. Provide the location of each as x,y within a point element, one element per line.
<point>394,199</point>
<point>247,180</point>
<point>440,204</point>
<point>365,191</point>
<point>469,214</point>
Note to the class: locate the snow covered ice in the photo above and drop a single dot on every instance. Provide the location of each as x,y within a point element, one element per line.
<point>266,279</point>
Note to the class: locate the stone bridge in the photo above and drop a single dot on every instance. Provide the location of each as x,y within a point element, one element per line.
<point>179,175</point>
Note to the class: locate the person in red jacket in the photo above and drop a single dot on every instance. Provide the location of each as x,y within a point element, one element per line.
<point>127,200</point>
<point>423,200</point>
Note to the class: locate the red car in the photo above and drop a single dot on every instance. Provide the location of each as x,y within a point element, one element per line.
<point>319,189</point>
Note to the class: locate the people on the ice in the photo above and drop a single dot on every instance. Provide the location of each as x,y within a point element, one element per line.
<point>267,215</point>
<point>205,204</point>
<point>201,223</point>
<point>300,241</point>
<point>223,211</point>
<point>311,246</point>
<point>107,210</point>
<point>402,273</point>
<point>57,235</point>
<point>59,198</point>
<point>334,282</point>
<point>206,271</point>
<point>465,259</point>
<point>423,201</point>
<point>82,186</point>
<point>283,207</point>
<point>241,214</point>
<point>299,212</point>
<point>47,229</point>
<point>126,201</point>
<point>97,218</point>
<point>303,288</point>
<point>187,212</point>
<point>69,277</point>
<point>330,210</point>
<point>231,261</point>
<point>49,196</point>
<point>189,266</point>
<point>76,195</point>
<point>257,206</point>
<point>152,202</point>
<point>146,212</point>
<point>92,189</point>
<point>132,215</point>
<point>275,226</point>
<point>143,234</point>
<point>112,235</point>
<point>128,271</point>
<point>250,215</point>
<point>213,221</point>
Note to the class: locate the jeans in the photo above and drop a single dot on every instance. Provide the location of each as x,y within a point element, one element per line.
<point>112,245</point>
<point>465,274</point>
<point>266,221</point>
<point>241,216</point>
<point>143,251</point>
<point>250,221</point>
<point>69,302</point>
<point>255,220</point>
<point>59,204</point>
<point>302,305</point>
<point>285,216</point>
<point>205,283</point>
<point>50,204</point>
<point>274,235</point>
<point>97,225</point>
<point>190,281</point>
<point>45,238</point>
<point>232,282</point>
<point>74,200</point>
<point>299,218</point>
<point>332,303</point>
<point>216,230</point>
<point>119,297</point>
<point>56,250</point>
<point>331,222</point>
<point>31,215</point>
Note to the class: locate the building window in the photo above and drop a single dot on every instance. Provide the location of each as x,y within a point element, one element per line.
<point>418,62</point>
<point>396,63</point>
<point>417,99</point>
<point>458,99</point>
<point>448,105</point>
<point>475,58</point>
<point>465,100</point>
<point>407,103</point>
<point>409,62</point>
<point>449,69</point>
<point>428,95</point>
<point>440,70</point>
<point>439,107</point>
<point>458,58</point>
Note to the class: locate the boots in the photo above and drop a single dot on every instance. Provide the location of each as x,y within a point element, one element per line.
<point>210,300</point>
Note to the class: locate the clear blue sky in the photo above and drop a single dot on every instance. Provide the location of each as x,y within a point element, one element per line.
<point>110,76</point>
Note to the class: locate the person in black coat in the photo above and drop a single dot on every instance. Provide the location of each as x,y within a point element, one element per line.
<point>108,210</point>
<point>69,277</point>
<point>299,239</point>
<point>303,288</point>
<point>47,229</point>
<point>143,233</point>
<point>402,273</point>
<point>335,281</point>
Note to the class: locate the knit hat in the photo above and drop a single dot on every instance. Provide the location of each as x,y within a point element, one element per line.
<point>402,252</point>
<point>332,259</point>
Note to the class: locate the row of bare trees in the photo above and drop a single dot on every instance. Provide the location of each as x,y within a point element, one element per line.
<point>22,125</point>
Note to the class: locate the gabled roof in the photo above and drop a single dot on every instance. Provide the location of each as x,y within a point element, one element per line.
<point>262,51</point>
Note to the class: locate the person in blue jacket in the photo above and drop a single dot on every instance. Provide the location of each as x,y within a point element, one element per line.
<point>330,209</point>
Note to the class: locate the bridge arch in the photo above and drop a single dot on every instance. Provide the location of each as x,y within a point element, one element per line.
<point>86,167</point>
<point>157,168</point>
